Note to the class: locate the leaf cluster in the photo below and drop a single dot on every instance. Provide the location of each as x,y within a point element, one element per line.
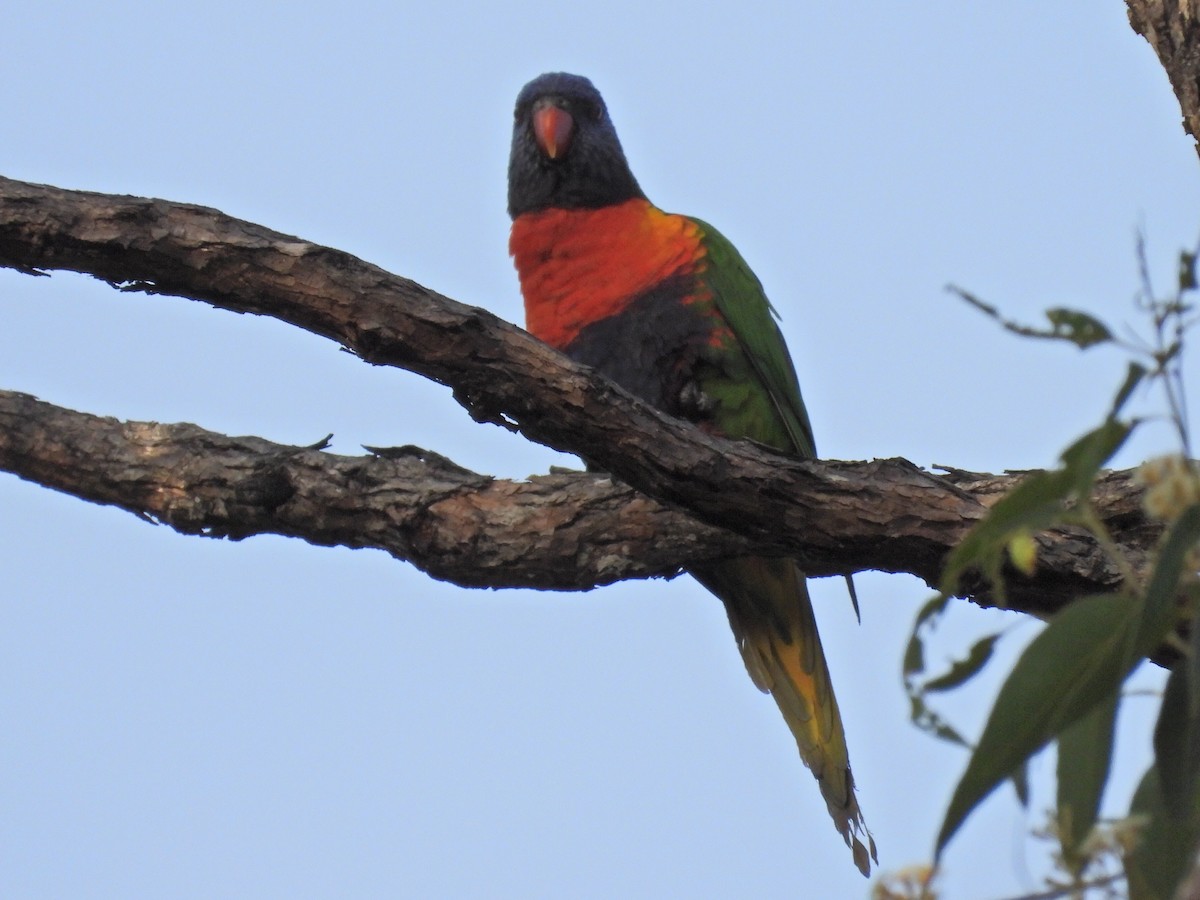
<point>1067,685</point>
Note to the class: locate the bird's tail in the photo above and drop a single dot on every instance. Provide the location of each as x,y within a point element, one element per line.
<point>776,632</point>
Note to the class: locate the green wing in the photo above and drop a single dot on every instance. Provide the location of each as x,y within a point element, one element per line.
<point>763,403</point>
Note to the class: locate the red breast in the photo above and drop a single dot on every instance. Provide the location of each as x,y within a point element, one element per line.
<point>580,266</point>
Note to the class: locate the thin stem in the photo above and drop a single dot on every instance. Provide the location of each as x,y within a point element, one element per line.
<point>1073,890</point>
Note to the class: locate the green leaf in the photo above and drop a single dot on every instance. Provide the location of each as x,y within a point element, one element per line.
<point>914,653</point>
<point>1034,504</point>
<point>923,716</point>
<point>1079,660</point>
<point>1177,746</point>
<point>1193,669</point>
<point>1072,325</point>
<point>933,608</point>
<point>1165,847</point>
<point>914,657</point>
<point>1084,458</point>
<point>1133,377</point>
<point>1161,604</point>
<point>931,722</point>
<point>964,669</point>
<point>1020,783</point>
<point>1187,271</point>
<point>1080,328</point>
<point>1084,758</point>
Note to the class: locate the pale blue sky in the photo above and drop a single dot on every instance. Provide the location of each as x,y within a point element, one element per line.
<point>201,719</point>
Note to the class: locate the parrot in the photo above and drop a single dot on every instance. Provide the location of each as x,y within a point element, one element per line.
<point>666,307</point>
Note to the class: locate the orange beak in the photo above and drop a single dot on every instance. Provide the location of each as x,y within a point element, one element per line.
<point>553,128</point>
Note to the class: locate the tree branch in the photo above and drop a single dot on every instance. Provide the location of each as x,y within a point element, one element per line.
<point>566,531</point>
<point>1172,28</point>
<point>499,372</point>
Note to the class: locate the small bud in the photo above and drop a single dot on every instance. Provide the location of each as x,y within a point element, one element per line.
<point>1022,550</point>
<point>1171,484</point>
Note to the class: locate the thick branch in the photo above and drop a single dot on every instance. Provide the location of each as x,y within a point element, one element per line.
<point>834,517</point>
<point>499,372</point>
<point>555,531</point>
<point>1173,30</point>
<point>567,531</point>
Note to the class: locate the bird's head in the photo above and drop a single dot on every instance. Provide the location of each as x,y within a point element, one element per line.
<point>565,151</point>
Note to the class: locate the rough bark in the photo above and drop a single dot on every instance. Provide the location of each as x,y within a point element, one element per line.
<point>558,531</point>
<point>564,531</point>
<point>1172,28</point>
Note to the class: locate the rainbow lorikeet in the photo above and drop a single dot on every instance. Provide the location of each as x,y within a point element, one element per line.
<point>666,307</point>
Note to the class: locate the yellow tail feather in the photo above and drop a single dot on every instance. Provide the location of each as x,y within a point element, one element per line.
<point>775,629</point>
